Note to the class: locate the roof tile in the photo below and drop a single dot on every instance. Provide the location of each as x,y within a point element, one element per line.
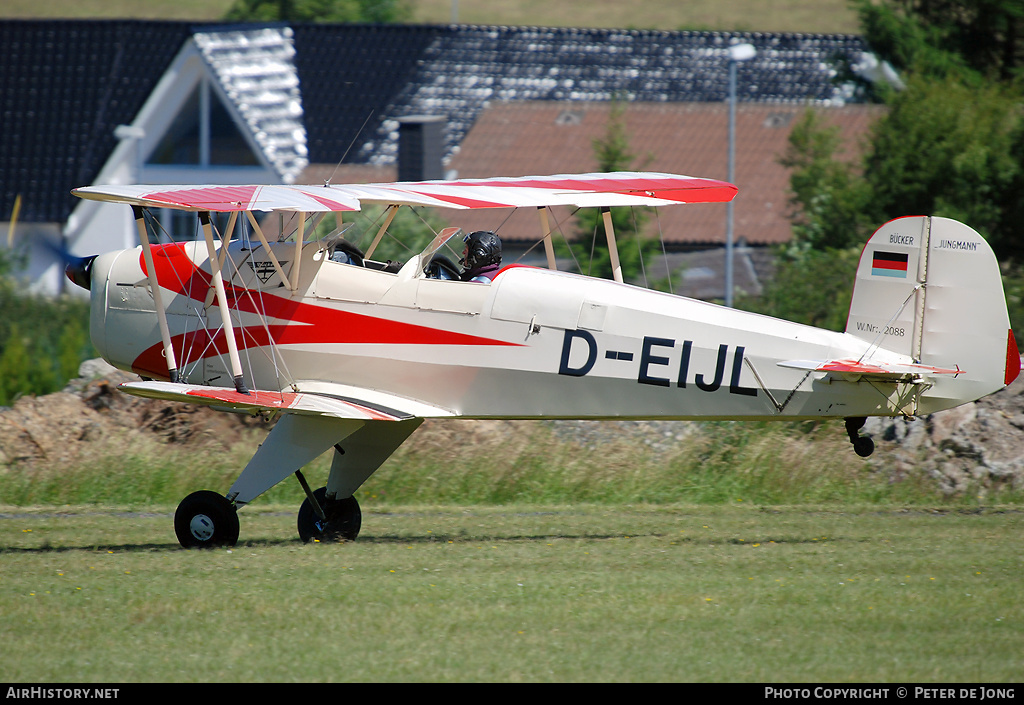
<point>523,138</point>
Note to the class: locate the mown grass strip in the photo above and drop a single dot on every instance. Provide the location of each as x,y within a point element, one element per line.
<point>520,593</point>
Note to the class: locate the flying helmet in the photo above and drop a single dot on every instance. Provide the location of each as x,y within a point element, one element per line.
<point>483,247</point>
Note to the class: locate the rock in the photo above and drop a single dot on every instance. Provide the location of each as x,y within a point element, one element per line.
<point>974,447</point>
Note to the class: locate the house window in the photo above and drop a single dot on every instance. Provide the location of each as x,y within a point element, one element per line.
<point>203,134</point>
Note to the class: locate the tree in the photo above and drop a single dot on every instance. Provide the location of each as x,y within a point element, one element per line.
<point>951,149</point>
<point>814,272</point>
<point>813,288</point>
<point>952,144</point>
<point>942,37</point>
<point>590,247</point>
<point>15,367</point>
<point>828,194</point>
<point>42,341</point>
<point>376,11</point>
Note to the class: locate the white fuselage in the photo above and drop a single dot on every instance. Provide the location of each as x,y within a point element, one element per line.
<point>534,343</point>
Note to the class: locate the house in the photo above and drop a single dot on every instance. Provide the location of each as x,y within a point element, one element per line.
<point>532,137</point>
<point>129,101</point>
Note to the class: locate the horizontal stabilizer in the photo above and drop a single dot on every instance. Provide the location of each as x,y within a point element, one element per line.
<point>872,370</point>
<point>305,403</point>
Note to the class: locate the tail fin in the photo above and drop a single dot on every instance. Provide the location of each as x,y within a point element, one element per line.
<point>930,288</point>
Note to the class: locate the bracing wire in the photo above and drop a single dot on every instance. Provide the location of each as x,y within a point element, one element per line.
<point>664,252</point>
<point>639,246</point>
<point>260,309</point>
<point>349,148</point>
<point>874,345</point>
<point>154,226</point>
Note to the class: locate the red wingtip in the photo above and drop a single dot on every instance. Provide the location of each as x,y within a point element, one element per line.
<point>1012,359</point>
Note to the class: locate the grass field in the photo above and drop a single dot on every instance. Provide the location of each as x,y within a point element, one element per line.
<point>516,554</point>
<point>526,593</point>
<point>812,16</point>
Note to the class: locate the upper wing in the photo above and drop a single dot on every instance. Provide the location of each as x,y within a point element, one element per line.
<point>326,400</point>
<point>882,371</point>
<point>607,189</point>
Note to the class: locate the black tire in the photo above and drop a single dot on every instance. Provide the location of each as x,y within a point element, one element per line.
<point>344,519</point>
<point>206,519</point>
<point>864,446</point>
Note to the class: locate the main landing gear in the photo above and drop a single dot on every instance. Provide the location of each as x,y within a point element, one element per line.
<point>206,519</point>
<point>331,513</point>
<point>862,445</point>
<point>325,520</point>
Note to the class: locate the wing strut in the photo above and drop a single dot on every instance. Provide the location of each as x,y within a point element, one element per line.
<point>392,210</point>
<point>154,285</point>
<point>549,249</point>
<point>222,303</point>
<point>300,237</point>
<point>225,237</point>
<point>613,250</point>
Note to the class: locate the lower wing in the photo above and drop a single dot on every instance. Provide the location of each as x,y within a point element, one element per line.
<point>338,403</point>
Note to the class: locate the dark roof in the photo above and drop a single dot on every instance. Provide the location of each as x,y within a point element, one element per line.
<point>64,87</point>
<point>66,84</point>
<point>467,67</point>
<point>350,75</point>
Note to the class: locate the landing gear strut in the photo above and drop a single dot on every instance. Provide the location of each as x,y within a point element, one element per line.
<point>862,445</point>
<point>324,520</point>
<point>206,519</point>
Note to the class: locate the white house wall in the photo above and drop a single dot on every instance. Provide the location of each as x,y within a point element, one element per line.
<point>95,227</point>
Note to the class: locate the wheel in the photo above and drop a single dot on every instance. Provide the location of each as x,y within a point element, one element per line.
<point>343,519</point>
<point>864,446</point>
<point>205,519</point>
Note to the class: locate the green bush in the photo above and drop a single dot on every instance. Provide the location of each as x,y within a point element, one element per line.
<point>42,342</point>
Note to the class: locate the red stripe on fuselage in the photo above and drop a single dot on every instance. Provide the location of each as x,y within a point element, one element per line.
<point>305,324</point>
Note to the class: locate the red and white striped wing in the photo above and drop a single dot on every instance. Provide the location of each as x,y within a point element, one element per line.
<point>582,190</point>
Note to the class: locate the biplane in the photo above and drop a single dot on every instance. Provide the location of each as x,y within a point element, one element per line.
<point>351,353</point>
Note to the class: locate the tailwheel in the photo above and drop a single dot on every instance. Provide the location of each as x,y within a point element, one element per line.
<point>206,519</point>
<point>340,520</point>
<point>862,445</point>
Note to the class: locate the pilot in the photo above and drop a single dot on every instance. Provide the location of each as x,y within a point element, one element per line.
<point>481,256</point>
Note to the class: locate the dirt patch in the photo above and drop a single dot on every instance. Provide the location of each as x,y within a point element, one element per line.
<point>58,428</point>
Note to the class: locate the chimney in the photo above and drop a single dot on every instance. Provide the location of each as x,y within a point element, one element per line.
<point>420,147</point>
